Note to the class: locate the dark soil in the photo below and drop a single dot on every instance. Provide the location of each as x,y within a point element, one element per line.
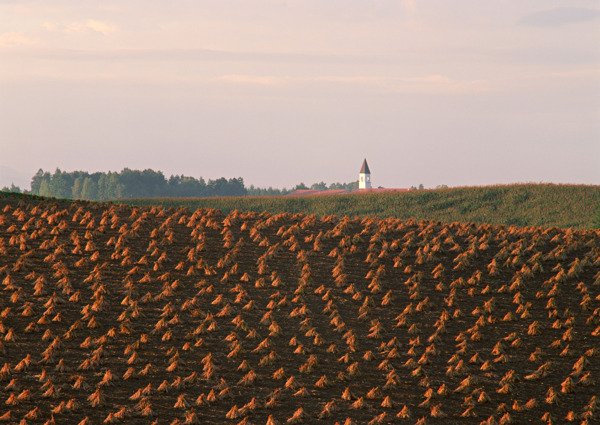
<point>257,318</point>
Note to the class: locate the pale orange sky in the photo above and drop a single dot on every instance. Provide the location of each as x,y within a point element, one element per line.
<point>460,93</point>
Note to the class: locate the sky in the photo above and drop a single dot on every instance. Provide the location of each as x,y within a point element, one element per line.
<point>432,92</point>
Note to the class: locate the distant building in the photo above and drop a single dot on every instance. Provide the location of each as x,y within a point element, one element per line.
<point>364,186</point>
<point>311,192</point>
<point>364,178</point>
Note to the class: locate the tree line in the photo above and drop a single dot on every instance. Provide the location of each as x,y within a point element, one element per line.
<point>257,191</point>
<point>128,184</point>
<point>101,186</point>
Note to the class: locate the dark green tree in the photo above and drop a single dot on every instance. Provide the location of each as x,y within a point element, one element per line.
<point>45,188</point>
<point>12,188</point>
<point>115,188</point>
<point>77,188</point>
<point>89,190</point>
<point>344,186</point>
<point>36,182</point>
<point>60,184</point>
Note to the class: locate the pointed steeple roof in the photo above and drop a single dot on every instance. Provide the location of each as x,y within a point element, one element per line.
<point>365,168</point>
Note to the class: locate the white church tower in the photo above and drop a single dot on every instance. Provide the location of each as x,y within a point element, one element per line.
<point>364,178</point>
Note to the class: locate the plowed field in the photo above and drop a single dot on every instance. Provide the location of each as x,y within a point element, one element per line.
<point>113,314</point>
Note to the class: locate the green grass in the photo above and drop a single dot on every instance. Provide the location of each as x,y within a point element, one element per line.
<point>544,205</point>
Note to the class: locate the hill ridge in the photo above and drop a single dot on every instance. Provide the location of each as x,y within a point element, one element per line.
<point>548,205</point>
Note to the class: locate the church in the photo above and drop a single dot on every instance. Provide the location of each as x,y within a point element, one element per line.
<point>365,185</point>
<point>364,178</point>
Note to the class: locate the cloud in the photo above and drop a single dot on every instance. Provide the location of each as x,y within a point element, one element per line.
<point>410,5</point>
<point>440,84</point>
<point>429,79</point>
<point>326,79</point>
<point>418,84</point>
<point>99,26</point>
<point>358,79</point>
<point>553,18</point>
<point>74,28</point>
<point>578,73</point>
<point>80,27</point>
<point>12,39</point>
<point>248,79</point>
<point>204,55</point>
